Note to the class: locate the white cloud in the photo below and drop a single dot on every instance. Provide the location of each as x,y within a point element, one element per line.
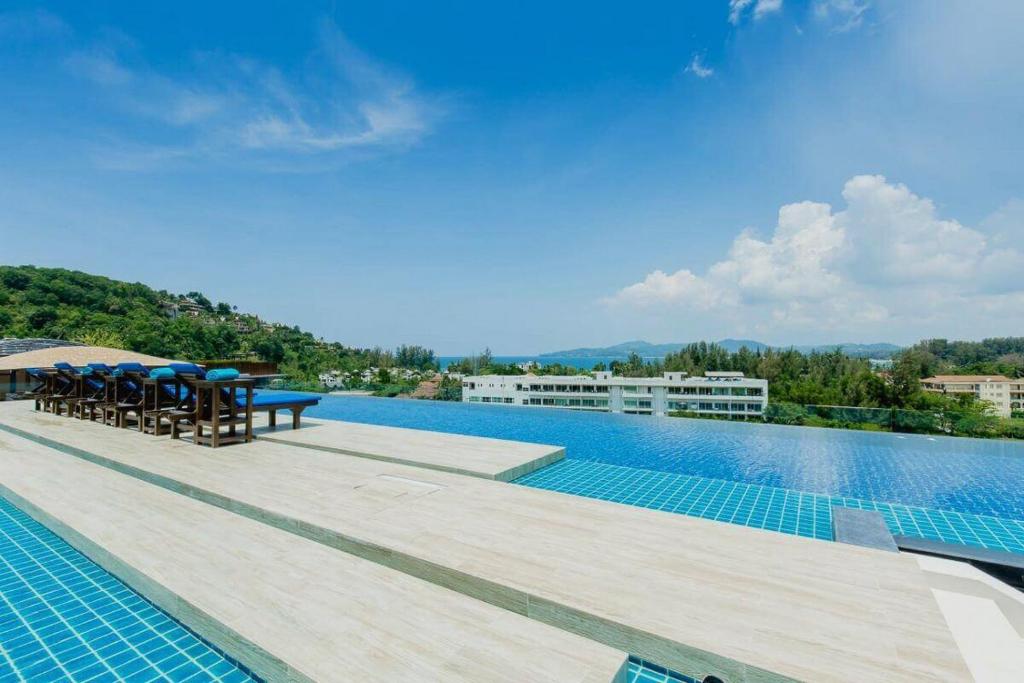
<point>698,68</point>
<point>888,255</point>
<point>682,287</point>
<point>231,104</point>
<point>841,15</point>
<point>736,9</point>
<point>764,7</point>
<point>761,8</point>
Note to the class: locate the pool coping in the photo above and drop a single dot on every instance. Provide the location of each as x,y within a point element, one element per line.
<point>475,456</point>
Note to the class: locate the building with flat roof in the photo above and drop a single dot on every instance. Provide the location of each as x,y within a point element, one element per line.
<point>716,393</point>
<point>1006,395</point>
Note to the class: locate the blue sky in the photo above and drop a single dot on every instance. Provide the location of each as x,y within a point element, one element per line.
<point>533,177</point>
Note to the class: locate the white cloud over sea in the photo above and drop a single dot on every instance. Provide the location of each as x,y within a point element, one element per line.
<point>887,255</point>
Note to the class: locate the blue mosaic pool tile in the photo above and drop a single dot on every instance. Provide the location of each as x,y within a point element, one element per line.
<point>766,507</point>
<point>64,618</point>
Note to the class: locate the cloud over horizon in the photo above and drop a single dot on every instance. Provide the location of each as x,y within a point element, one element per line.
<point>887,255</point>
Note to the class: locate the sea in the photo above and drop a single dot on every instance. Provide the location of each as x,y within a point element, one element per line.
<point>582,363</point>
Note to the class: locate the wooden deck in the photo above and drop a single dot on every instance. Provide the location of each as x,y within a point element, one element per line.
<point>695,595</point>
<point>471,455</point>
<point>287,607</point>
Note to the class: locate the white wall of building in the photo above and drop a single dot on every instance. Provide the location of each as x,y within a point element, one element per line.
<point>715,394</point>
<point>1005,395</point>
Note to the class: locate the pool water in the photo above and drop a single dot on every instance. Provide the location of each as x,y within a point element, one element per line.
<point>64,618</point>
<point>968,491</point>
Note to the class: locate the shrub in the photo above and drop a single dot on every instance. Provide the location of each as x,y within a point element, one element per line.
<point>785,413</point>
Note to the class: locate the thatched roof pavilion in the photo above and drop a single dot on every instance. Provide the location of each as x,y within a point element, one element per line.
<point>76,355</point>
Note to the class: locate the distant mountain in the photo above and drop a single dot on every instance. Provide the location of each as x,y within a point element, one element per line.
<point>645,349</point>
<point>734,345</point>
<point>649,350</point>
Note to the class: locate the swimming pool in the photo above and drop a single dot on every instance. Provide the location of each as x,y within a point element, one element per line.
<point>64,618</point>
<point>783,478</point>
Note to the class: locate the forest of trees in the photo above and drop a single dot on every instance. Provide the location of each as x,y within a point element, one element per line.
<point>66,304</point>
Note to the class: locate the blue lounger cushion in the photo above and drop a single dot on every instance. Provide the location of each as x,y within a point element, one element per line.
<point>101,368</point>
<point>36,373</point>
<point>222,374</point>
<point>187,369</point>
<point>132,366</point>
<point>282,400</point>
<point>161,373</point>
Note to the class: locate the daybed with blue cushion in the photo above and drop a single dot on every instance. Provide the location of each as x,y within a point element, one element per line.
<point>269,403</point>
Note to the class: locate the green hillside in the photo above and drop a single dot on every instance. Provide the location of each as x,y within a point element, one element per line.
<point>67,304</point>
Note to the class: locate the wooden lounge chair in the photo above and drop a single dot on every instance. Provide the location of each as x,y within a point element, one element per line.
<point>62,387</point>
<point>84,393</point>
<point>160,398</point>
<point>42,393</point>
<point>122,396</point>
<point>270,403</point>
<point>105,374</point>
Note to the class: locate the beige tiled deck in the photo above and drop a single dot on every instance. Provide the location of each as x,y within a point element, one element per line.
<point>287,607</point>
<point>472,455</point>
<point>692,594</point>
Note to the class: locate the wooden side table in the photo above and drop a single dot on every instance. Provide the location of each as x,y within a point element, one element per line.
<point>217,407</point>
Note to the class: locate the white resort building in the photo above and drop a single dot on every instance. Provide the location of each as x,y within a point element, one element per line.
<point>716,393</point>
<point>1006,395</point>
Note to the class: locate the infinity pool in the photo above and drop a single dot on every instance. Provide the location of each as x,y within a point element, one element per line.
<point>784,478</point>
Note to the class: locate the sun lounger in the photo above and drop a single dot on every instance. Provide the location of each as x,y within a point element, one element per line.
<point>49,385</point>
<point>85,392</point>
<point>269,403</point>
